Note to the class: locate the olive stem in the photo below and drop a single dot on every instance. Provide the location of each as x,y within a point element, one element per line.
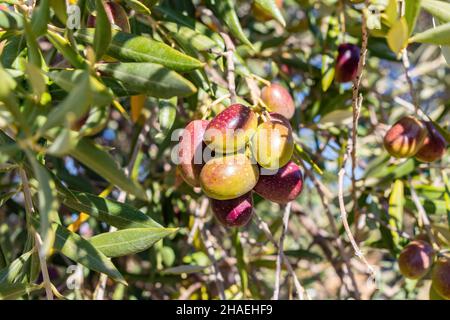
<point>301,292</point>
<point>230,65</point>
<point>212,104</point>
<point>423,217</point>
<point>38,241</point>
<point>356,108</point>
<point>325,204</point>
<point>287,212</point>
<point>205,236</point>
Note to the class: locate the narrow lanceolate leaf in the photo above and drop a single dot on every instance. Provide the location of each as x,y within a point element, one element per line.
<point>119,215</point>
<point>9,20</point>
<point>271,8</point>
<point>447,196</point>
<point>412,9</point>
<point>36,80</point>
<point>72,108</point>
<point>439,9</point>
<point>34,52</point>
<point>69,79</point>
<point>189,36</point>
<point>102,35</point>
<point>11,273</point>
<point>82,251</point>
<point>397,37</point>
<point>439,35</point>
<point>138,6</point>
<point>17,290</point>
<point>48,203</point>
<point>7,94</point>
<point>226,11</point>
<point>40,18</point>
<point>396,205</point>
<point>128,241</point>
<point>128,47</point>
<point>149,78</point>
<point>64,47</point>
<point>104,165</point>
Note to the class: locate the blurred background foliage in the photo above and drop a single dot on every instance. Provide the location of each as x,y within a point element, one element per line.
<point>86,118</point>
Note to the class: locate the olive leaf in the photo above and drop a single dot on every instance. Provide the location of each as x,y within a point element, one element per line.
<point>82,251</point>
<point>114,213</point>
<point>149,79</point>
<point>127,47</point>
<point>128,241</point>
<point>102,34</point>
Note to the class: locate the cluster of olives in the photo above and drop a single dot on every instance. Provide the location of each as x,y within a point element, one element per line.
<point>240,151</point>
<point>416,260</point>
<point>410,137</point>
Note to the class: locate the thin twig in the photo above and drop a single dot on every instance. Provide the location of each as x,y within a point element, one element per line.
<point>351,148</point>
<point>206,236</point>
<point>406,66</point>
<point>230,65</point>
<point>334,229</point>
<point>287,213</point>
<point>301,292</point>
<point>38,241</point>
<point>356,106</point>
<point>423,217</point>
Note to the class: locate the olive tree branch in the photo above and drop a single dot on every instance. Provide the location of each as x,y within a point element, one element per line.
<point>423,217</point>
<point>325,204</point>
<point>287,212</point>
<point>356,105</point>
<point>37,238</point>
<point>301,292</point>
<point>206,239</point>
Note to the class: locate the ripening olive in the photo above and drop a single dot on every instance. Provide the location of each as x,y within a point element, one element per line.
<point>347,62</point>
<point>190,151</point>
<point>416,259</point>
<point>231,129</point>
<point>282,185</point>
<point>405,138</point>
<point>273,144</point>
<point>440,277</point>
<point>228,177</point>
<point>234,212</point>
<point>279,100</point>
<point>434,145</point>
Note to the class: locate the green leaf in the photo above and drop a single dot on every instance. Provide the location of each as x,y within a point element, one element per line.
<point>241,263</point>
<point>138,6</point>
<point>102,35</point>
<point>439,9</point>
<point>82,251</point>
<point>412,10</point>
<point>442,131</point>
<point>33,50</point>
<point>48,203</point>
<point>68,80</point>
<point>72,107</point>
<point>64,47</point>
<point>119,215</point>
<point>104,165</point>
<point>396,205</point>
<point>447,196</point>
<point>397,37</point>
<point>127,47</point>
<point>226,11</point>
<point>390,12</point>
<point>149,78</point>
<point>40,18</point>
<point>7,94</point>
<point>187,36</point>
<point>439,35</point>
<point>128,241</point>
<point>64,142</point>
<point>37,80</point>
<point>270,7</point>
<point>11,273</point>
<point>10,20</point>
<point>188,269</point>
<point>15,291</point>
